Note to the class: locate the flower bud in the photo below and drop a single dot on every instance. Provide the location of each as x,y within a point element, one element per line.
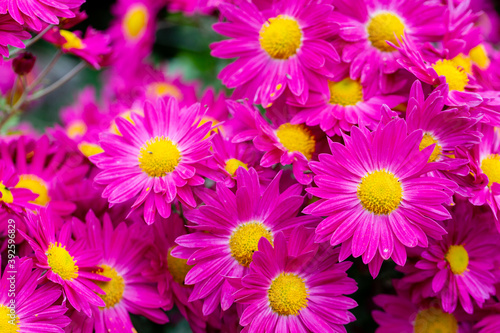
<point>23,63</point>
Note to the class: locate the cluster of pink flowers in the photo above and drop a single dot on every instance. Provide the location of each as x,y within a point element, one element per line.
<point>362,129</point>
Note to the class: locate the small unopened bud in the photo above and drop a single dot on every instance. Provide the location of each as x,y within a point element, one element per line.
<point>23,63</point>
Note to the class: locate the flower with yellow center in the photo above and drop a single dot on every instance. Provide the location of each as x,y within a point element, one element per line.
<point>163,89</point>
<point>428,140</point>
<point>7,323</point>
<point>135,21</point>
<point>114,288</point>
<point>280,37</point>
<point>37,186</point>
<point>7,196</point>
<point>385,27</point>
<point>287,294</point>
<point>479,56</point>
<point>61,262</point>
<point>458,259</point>
<point>297,138</point>
<point>346,92</point>
<point>159,156</point>
<point>76,128</point>
<point>244,241</point>
<point>434,320</point>
<point>456,76</point>
<point>178,268</point>
<point>233,164</point>
<point>491,168</point>
<point>72,40</point>
<point>380,192</point>
<point>89,149</point>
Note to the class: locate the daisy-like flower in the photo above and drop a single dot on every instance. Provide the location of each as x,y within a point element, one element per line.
<point>228,229</point>
<point>296,287</point>
<point>64,261</point>
<point>283,47</point>
<point>127,290</point>
<point>33,309</point>
<point>367,25</point>
<point>34,13</point>
<point>157,158</point>
<point>375,197</point>
<point>11,33</point>
<point>12,198</point>
<point>460,266</point>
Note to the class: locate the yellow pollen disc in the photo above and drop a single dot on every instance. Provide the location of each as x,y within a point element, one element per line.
<point>76,128</point>
<point>159,156</point>
<point>9,322</point>
<point>380,192</point>
<point>346,92</point>
<point>178,268</point>
<point>297,138</point>
<point>7,196</point>
<point>479,56</point>
<point>464,62</point>
<point>287,294</point>
<point>244,241</point>
<point>135,21</point>
<point>90,149</point>
<point>456,77</point>
<point>491,168</point>
<point>37,186</point>
<point>163,89</point>
<point>428,140</point>
<point>61,262</point>
<point>385,27</point>
<point>458,258</point>
<point>72,40</point>
<point>280,37</point>
<point>233,164</point>
<point>113,288</point>
<point>434,320</point>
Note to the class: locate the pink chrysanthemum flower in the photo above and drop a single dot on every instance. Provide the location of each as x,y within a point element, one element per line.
<point>34,13</point>
<point>33,309</point>
<point>375,196</point>
<point>127,291</point>
<point>459,267</point>
<point>367,25</point>
<point>64,261</point>
<point>157,160</point>
<point>12,198</point>
<point>283,47</point>
<point>295,287</point>
<point>11,33</point>
<point>228,229</point>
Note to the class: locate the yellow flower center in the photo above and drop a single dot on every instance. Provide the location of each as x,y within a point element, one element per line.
<point>61,262</point>
<point>458,258</point>
<point>456,77</point>
<point>434,320</point>
<point>479,56</point>
<point>428,140</point>
<point>90,149</point>
<point>491,168</point>
<point>464,62</point>
<point>233,164</point>
<point>135,21</point>
<point>159,156</point>
<point>280,37</point>
<point>113,288</point>
<point>37,186</point>
<point>76,128</point>
<point>9,322</point>
<point>380,192</point>
<point>178,268</point>
<point>385,27</point>
<point>244,241</point>
<point>297,138</point>
<point>287,294</point>
<point>163,89</point>
<point>7,196</point>
<point>346,92</point>
<point>72,40</point>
